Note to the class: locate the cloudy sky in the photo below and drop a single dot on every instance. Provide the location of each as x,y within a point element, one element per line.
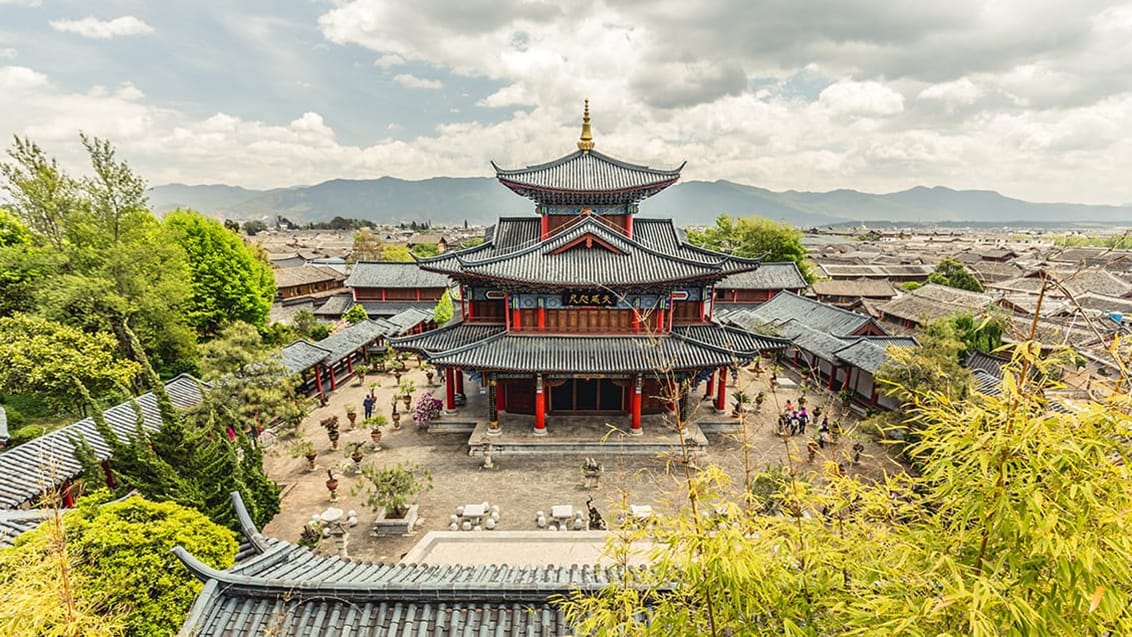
<point>1032,98</point>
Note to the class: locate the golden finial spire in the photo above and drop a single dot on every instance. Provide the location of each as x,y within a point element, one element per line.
<point>586,141</point>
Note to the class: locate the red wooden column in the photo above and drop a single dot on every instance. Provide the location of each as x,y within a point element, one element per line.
<point>68,497</point>
<point>540,407</point>
<point>318,381</point>
<point>541,315</point>
<point>544,228</point>
<point>449,389</point>
<point>709,391</point>
<point>721,396</point>
<point>492,402</point>
<point>333,380</point>
<point>507,311</point>
<point>635,428</point>
<point>459,380</point>
<point>636,317</point>
<point>671,399</point>
<point>629,225</point>
<point>350,363</point>
<point>517,317</point>
<point>111,482</point>
<point>500,395</point>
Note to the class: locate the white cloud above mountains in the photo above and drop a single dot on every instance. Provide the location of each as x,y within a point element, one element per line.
<point>1032,99</point>
<point>91,27</point>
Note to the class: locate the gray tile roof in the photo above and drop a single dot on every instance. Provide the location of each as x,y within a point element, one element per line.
<point>49,460</point>
<point>584,174</point>
<point>933,301</point>
<point>769,276</point>
<point>451,336</point>
<point>787,306</point>
<point>301,356</point>
<point>862,288</point>
<point>283,589</point>
<point>305,275</point>
<point>390,274</point>
<point>870,354</point>
<point>629,263</point>
<point>335,305</point>
<point>409,318</point>
<point>596,354</point>
<point>354,337</point>
<point>840,271</point>
<point>16,522</point>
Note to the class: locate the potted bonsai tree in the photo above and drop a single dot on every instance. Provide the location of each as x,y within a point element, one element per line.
<point>304,449</point>
<point>361,371</point>
<point>375,424</point>
<point>389,491</point>
<point>407,389</point>
<point>357,455</point>
<point>741,400</point>
<point>331,426</point>
<point>351,414</point>
<point>429,372</point>
<point>396,417</point>
<point>332,485</point>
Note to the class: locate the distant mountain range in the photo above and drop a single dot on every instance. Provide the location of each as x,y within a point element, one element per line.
<point>480,200</point>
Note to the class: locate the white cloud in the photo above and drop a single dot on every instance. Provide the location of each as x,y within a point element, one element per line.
<point>21,3</point>
<point>389,61</point>
<point>8,53</point>
<point>412,81</point>
<point>91,27</point>
<point>962,92</point>
<point>861,98</point>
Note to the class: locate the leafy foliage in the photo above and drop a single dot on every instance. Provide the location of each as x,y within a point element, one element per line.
<point>355,314</point>
<point>396,253</point>
<point>391,488</point>
<point>229,282</point>
<point>307,326</point>
<point>444,310</point>
<point>367,246</point>
<point>933,369</point>
<point>953,273</point>
<point>49,360</point>
<point>1018,525</point>
<point>12,232</point>
<point>122,565</point>
<point>195,459</point>
<point>755,237</point>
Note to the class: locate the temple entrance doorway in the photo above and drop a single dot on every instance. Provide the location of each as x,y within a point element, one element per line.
<point>580,394</point>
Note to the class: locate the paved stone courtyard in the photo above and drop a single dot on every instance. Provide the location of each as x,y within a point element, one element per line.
<point>521,485</point>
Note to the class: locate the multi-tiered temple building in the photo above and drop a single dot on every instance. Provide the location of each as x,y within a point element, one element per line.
<point>586,308</point>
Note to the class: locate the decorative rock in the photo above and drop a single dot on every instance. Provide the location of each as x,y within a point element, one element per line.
<point>460,510</point>
<point>477,528</point>
<point>351,513</point>
<point>553,526</point>
<point>579,524</point>
<point>454,519</point>
<point>490,524</point>
<point>540,514</point>
<point>565,526</point>
<point>326,532</point>
<point>467,526</point>
<point>541,521</point>
<point>454,527</point>
<point>494,517</point>
<point>495,508</point>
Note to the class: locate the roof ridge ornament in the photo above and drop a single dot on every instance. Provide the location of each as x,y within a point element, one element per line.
<point>586,141</point>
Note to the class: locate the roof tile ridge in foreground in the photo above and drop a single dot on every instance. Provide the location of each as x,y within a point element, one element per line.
<point>547,164</point>
<point>684,243</point>
<point>458,255</point>
<point>785,342</point>
<point>308,343</point>
<point>469,347</point>
<point>247,525</point>
<point>660,253</point>
<point>485,589</point>
<point>711,346</point>
<point>839,310</point>
<point>451,327</point>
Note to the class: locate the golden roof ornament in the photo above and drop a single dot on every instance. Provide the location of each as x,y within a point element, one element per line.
<point>586,141</point>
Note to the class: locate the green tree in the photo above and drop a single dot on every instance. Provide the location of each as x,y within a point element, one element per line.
<point>953,273</point>
<point>12,231</point>
<point>194,459</point>
<point>121,554</point>
<point>42,194</point>
<point>49,360</point>
<point>444,310</point>
<point>367,246</point>
<point>1018,524</point>
<point>425,250</point>
<point>984,335</point>
<point>755,237</point>
<point>254,227</point>
<point>932,369</point>
<point>910,286</point>
<point>471,242</point>
<point>229,283</point>
<point>355,314</point>
<point>396,253</point>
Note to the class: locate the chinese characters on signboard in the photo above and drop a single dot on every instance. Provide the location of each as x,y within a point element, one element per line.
<point>598,298</point>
